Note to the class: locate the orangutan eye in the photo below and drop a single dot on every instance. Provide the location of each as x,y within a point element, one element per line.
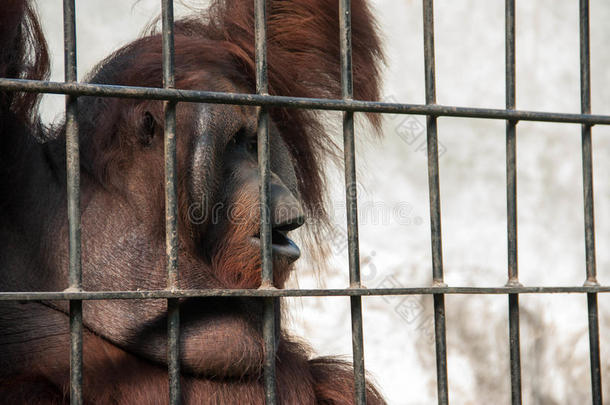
<point>252,144</point>
<point>243,139</point>
<point>236,139</point>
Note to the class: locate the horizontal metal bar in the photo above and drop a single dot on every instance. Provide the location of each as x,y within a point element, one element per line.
<point>197,96</point>
<point>164,294</point>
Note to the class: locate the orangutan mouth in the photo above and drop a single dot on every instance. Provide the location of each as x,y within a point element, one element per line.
<point>281,245</point>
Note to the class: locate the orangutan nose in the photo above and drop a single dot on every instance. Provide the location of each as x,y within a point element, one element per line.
<point>287,212</point>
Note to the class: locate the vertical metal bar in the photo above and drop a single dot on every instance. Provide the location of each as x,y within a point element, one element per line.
<point>171,206</point>
<point>585,99</point>
<point>262,87</point>
<point>511,204</point>
<point>347,92</point>
<point>587,165</point>
<point>515,350</point>
<point>264,164</point>
<point>511,150</point>
<point>73,188</point>
<point>435,206</point>
<point>596,377</point>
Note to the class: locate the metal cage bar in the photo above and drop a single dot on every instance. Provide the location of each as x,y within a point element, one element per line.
<point>435,207</point>
<point>351,197</point>
<point>589,215</point>
<point>332,292</point>
<point>73,196</point>
<point>270,304</point>
<point>171,205</point>
<point>211,97</point>
<point>511,208</point>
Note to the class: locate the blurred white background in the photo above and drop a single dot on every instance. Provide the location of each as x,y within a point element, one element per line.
<point>394,223</point>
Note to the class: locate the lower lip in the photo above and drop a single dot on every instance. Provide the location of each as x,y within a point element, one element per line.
<point>288,250</point>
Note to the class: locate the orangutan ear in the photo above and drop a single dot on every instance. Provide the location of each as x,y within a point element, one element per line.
<point>148,129</point>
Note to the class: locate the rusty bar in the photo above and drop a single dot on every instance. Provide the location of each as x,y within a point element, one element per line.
<point>199,96</point>
<point>585,97</point>
<point>270,305</point>
<point>347,93</point>
<point>515,348</point>
<point>596,377</point>
<point>73,190</point>
<point>511,208</point>
<point>262,88</point>
<point>435,206</point>
<point>511,145</point>
<point>587,166</point>
<point>335,292</point>
<point>171,206</point>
